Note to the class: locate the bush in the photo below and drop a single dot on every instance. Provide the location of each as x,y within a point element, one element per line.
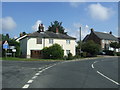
<point>91,48</point>
<point>53,52</point>
<point>84,54</point>
<point>70,56</point>
<point>109,52</point>
<point>118,53</point>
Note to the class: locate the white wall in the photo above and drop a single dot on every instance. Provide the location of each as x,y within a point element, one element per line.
<point>32,45</point>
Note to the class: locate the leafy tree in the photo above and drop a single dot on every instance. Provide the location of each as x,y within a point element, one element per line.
<point>58,25</point>
<point>115,45</point>
<point>91,48</point>
<point>53,52</point>
<point>79,45</point>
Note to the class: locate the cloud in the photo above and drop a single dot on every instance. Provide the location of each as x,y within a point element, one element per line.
<point>99,12</point>
<point>7,23</point>
<point>35,26</point>
<point>74,4</point>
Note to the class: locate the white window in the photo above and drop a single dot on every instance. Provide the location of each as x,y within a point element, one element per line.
<point>39,40</point>
<point>50,41</point>
<point>67,41</point>
<point>103,41</point>
<point>67,52</point>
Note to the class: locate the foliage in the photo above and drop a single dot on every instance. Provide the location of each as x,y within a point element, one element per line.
<point>53,52</point>
<point>115,45</point>
<point>70,56</point>
<point>91,48</point>
<point>84,54</point>
<point>109,52</point>
<point>118,53</point>
<point>79,44</point>
<point>58,25</point>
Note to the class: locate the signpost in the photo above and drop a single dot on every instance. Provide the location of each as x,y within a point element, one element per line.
<point>5,46</point>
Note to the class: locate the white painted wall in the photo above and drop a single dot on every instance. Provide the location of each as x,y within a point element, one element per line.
<point>32,45</point>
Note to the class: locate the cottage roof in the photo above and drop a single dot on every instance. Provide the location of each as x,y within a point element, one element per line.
<point>105,36</point>
<point>48,34</point>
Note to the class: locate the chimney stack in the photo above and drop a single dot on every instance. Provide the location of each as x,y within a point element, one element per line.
<point>56,30</point>
<point>110,32</point>
<point>41,28</point>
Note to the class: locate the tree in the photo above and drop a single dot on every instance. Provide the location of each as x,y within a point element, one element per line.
<point>53,52</point>
<point>115,45</point>
<point>58,25</point>
<point>91,48</point>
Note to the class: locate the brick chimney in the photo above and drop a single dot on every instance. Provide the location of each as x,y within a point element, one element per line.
<point>56,30</point>
<point>110,32</point>
<point>40,28</point>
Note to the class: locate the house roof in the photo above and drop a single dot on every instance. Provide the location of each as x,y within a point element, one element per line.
<point>105,36</point>
<point>86,38</point>
<point>48,34</point>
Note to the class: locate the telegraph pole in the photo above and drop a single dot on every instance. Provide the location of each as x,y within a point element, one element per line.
<point>80,41</point>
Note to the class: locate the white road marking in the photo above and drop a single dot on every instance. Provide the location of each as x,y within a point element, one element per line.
<point>92,66</point>
<point>37,74</point>
<point>108,78</point>
<point>40,68</point>
<point>34,77</point>
<point>26,86</point>
<point>30,81</point>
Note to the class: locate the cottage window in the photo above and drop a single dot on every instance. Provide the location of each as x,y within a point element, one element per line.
<point>67,41</point>
<point>39,40</point>
<point>50,41</point>
<point>67,52</point>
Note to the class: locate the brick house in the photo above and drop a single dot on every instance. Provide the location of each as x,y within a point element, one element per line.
<point>103,39</point>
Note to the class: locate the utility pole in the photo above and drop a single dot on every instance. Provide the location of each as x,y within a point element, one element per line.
<point>80,41</point>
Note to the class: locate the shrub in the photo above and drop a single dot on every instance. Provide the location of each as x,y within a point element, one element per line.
<point>118,53</point>
<point>91,48</point>
<point>70,56</point>
<point>53,52</point>
<point>84,54</point>
<point>109,52</point>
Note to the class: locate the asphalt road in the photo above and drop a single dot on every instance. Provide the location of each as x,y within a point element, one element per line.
<point>97,73</point>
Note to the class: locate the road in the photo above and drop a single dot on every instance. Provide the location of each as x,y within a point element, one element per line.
<point>92,73</point>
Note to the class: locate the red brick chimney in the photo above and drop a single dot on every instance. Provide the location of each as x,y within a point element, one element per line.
<point>56,30</point>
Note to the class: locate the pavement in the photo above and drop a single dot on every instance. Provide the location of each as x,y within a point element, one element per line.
<point>85,73</point>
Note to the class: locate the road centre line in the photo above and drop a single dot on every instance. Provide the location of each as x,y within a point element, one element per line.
<point>36,75</point>
<point>108,78</point>
<point>26,86</point>
<point>104,75</point>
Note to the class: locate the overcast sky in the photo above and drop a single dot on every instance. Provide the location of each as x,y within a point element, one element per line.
<point>20,16</point>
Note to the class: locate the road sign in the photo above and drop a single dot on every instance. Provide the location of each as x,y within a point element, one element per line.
<point>13,50</point>
<point>5,45</point>
<point>12,47</point>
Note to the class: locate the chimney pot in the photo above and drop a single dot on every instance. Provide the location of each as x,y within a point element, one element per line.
<point>110,32</point>
<point>57,30</point>
<point>92,30</point>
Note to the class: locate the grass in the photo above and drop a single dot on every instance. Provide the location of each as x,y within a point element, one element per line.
<point>25,59</point>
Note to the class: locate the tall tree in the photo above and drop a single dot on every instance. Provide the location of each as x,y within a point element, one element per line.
<point>57,25</point>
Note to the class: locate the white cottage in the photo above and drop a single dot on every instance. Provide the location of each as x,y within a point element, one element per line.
<point>32,44</point>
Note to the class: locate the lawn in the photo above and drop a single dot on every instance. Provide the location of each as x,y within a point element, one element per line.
<point>25,59</point>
